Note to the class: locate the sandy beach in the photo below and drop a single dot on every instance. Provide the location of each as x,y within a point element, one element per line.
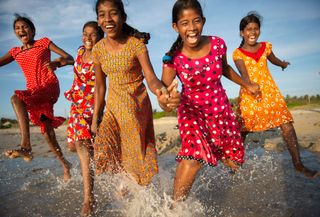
<point>265,186</point>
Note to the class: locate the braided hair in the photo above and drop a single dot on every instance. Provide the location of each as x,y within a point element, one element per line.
<point>252,17</point>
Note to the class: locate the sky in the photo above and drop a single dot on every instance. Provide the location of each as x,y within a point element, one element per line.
<point>292,26</point>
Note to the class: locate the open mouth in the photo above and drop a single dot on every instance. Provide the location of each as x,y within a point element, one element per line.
<point>192,37</point>
<point>88,43</point>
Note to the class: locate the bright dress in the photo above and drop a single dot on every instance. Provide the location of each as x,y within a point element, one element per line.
<point>269,110</point>
<point>208,127</point>
<point>81,96</point>
<point>125,138</point>
<point>42,85</point>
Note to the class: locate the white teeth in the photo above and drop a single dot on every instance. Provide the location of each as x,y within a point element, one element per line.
<point>88,43</point>
<point>109,26</point>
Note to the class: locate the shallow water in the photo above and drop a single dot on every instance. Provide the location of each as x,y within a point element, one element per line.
<point>266,186</point>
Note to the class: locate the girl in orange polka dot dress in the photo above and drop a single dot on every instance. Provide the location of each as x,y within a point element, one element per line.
<point>42,89</point>
<point>268,109</point>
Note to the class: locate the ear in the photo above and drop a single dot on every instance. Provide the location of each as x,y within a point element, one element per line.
<point>175,27</point>
<point>204,20</point>
<point>241,33</point>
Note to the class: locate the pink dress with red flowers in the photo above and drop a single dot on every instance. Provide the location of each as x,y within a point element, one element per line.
<point>81,96</point>
<point>42,85</point>
<point>208,127</point>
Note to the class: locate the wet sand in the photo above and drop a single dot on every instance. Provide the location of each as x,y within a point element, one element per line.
<point>266,185</point>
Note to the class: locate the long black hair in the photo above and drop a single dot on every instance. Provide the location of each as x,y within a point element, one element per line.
<point>252,17</point>
<point>177,9</point>
<point>127,29</point>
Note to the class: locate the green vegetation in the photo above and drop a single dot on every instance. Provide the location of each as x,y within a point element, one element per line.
<point>157,115</point>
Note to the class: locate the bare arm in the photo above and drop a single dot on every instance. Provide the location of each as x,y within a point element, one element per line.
<point>229,73</point>
<point>99,96</point>
<point>152,81</point>
<point>242,69</point>
<point>6,59</point>
<point>276,61</point>
<point>63,60</point>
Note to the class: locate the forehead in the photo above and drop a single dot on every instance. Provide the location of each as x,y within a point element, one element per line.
<point>188,13</point>
<point>21,23</point>
<point>252,25</point>
<point>90,29</point>
<point>107,6</point>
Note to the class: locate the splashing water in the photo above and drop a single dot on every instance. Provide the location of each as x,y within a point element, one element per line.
<point>265,186</point>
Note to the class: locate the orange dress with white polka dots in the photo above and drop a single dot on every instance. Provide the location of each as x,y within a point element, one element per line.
<point>42,84</point>
<point>268,110</point>
<point>125,140</point>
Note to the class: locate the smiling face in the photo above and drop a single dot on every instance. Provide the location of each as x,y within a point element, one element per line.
<point>90,37</point>
<point>189,26</point>
<point>110,19</point>
<point>24,32</point>
<point>250,33</point>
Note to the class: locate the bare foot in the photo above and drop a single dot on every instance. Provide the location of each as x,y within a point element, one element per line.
<point>307,172</point>
<point>66,171</point>
<point>72,147</point>
<point>22,152</point>
<point>234,166</point>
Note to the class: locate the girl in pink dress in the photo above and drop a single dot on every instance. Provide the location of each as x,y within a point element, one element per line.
<point>81,96</point>
<point>42,89</point>
<point>208,127</point>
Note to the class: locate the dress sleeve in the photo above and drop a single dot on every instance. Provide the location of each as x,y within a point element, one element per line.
<point>223,46</point>
<point>14,51</point>
<point>95,53</point>
<point>45,42</point>
<point>140,47</point>
<point>236,55</point>
<point>268,48</point>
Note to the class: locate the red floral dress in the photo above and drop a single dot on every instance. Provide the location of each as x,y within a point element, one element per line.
<point>81,96</point>
<point>208,127</point>
<point>42,85</point>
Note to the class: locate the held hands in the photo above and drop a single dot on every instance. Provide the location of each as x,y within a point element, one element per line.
<point>253,88</point>
<point>169,98</point>
<point>284,64</point>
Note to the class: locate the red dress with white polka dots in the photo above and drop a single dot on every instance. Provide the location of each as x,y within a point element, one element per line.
<point>42,85</point>
<point>208,127</point>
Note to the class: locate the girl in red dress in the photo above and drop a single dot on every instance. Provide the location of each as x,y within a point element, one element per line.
<point>208,127</point>
<point>81,96</point>
<point>42,89</point>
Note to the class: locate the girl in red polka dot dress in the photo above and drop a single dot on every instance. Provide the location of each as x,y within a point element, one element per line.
<point>42,89</point>
<point>208,127</point>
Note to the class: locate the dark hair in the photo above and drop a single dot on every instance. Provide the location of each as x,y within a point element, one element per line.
<point>252,17</point>
<point>25,19</point>
<point>95,25</point>
<point>177,9</point>
<point>127,29</point>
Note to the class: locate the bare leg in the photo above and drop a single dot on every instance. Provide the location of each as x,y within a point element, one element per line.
<point>50,137</point>
<point>85,153</point>
<point>290,137</point>
<point>22,117</point>
<point>185,175</point>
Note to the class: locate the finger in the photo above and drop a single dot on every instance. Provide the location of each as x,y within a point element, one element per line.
<point>158,93</point>
<point>172,85</point>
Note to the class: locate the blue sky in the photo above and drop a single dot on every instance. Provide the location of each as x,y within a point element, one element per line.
<point>292,26</point>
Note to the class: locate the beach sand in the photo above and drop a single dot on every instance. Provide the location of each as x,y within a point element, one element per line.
<point>265,186</point>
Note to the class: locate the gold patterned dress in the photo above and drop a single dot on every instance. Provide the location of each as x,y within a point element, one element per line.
<point>125,139</point>
<point>268,110</point>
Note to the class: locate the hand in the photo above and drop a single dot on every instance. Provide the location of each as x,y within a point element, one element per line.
<point>52,65</point>
<point>169,99</point>
<point>284,64</point>
<point>94,128</point>
<point>254,89</point>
